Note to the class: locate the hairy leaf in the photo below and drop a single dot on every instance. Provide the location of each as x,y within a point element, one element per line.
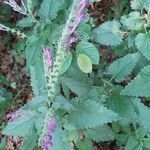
<point>60,141</point>
<point>90,50</point>
<point>144,115</point>
<point>49,9</point>
<point>140,85</point>
<point>66,63</point>
<point>140,4</point>
<point>81,89</point>
<point>23,127</point>
<point>142,42</point>
<point>123,66</point>
<point>102,133</point>
<point>89,114</point>
<point>133,21</point>
<point>109,33</point>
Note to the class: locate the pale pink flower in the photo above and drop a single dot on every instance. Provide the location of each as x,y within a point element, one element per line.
<point>48,60</point>
<point>46,143</point>
<point>79,15</point>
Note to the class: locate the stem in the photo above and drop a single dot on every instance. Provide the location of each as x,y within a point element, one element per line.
<point>54,75</point>
<point>53,78</point>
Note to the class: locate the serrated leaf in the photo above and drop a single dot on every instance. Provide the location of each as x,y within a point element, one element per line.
<point>123,66</point>
<point>140,85</point>
<point>108,33</point>
<point>144,115</point>
<point>81,89</point>
<point>133,143</point>
<point>84,63</point>
<point>85,144</point>
<point>61,102</point>
<point>23,127</point>
<point>36,103</point>
<point>142,41</point>
<point>89,114</point>
<point>133,21</point>
<point>25,22</point>
<point>56,33</point>
<point>84,32</point>
<point>49,9</point>
<point>59,140</point>
<point>122,105</point>
<point>102,133</point>
<point>29,142</point>
<point>140,4</point>
<point>89,49</point>
<point>34,81</point>
<point>66,63</point>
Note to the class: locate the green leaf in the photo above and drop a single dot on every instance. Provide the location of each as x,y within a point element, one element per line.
<point>49,9</point>
<point>98,94</point>
<point>84,31</point>
<point>108,33</point>
<point>25,22</point>
<point>133,21</point>
<point>36,103</point>
<point>34,81</point>
<point>133,144</point>
<point>84,63</point>
<point>140,85</point>
<point>88,49</point>
<point>31,142</point>
<point>56,33</point>
<point>59,140</point>
<point>123,66</point>
<point>144,115</point>
<point>140,4</point>
<point>5,99</point>
<point>61,102</point>
<point>102,133</point>
<point>23,127</point>
<point>89,114</point>
<point>142,41</point>
<point>34,48</point>
<point>85,144</point>
<point>81,89</point>
<point>3,143</point>
<point>146,143</point>
<point>122,105</point>
<point>66,63</point>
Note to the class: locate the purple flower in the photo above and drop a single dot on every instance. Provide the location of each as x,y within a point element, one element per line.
<point>48,62</point>
<point>46,143</point>
<point>79,15</point>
